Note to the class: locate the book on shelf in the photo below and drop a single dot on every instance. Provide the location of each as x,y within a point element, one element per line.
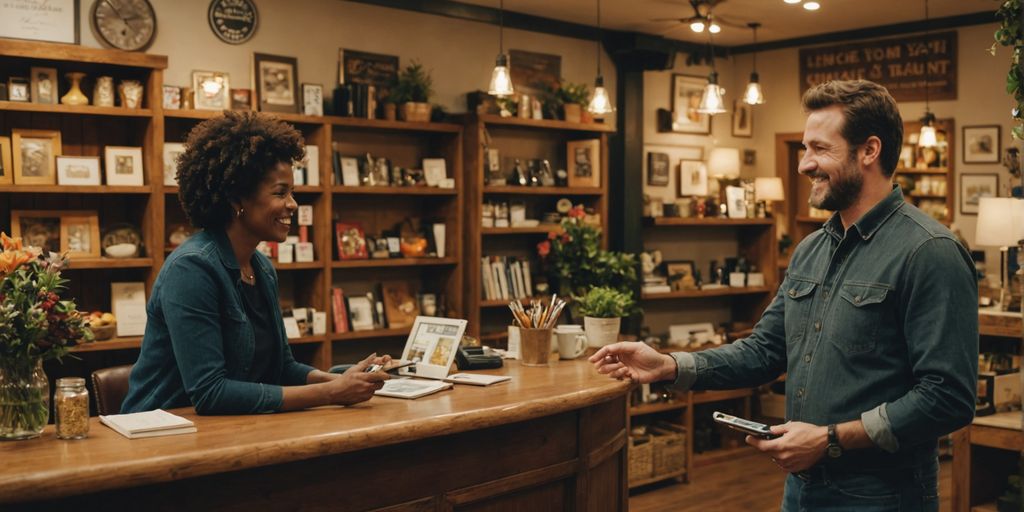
<point>506,278</point>
<point>339,308</point>
<point>148,424</point>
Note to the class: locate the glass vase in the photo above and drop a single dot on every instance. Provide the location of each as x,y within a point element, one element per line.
<point>24,400</point>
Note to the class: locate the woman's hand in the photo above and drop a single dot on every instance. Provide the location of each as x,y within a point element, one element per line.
<point>356,385</point>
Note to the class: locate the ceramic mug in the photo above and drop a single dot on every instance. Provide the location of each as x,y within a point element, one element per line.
<point>572,342</point>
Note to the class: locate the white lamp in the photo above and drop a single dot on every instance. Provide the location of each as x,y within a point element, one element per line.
<point>1001,224</point>
<point>724,162</point>
<point>768,190</point>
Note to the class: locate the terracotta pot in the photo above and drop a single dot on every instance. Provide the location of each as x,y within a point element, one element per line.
<point>586,117</point>
<point>416,112</point>
<point>390,111</point>
<point>573,112</point>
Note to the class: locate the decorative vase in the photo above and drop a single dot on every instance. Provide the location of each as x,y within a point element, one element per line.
<point>131,93</point>
<point>75,95</point>
<point>24,400</point>
<point>103,92</point>
<point>601,331</point>
<point>573,112</point>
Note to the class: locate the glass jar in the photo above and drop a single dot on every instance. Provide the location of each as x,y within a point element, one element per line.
<point>71,405</point>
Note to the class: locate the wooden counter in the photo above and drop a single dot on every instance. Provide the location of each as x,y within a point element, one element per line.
<point>551,439</point>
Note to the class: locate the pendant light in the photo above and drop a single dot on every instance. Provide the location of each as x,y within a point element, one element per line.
<point>501,79</point>
<point>711,101</point>
<point>753,95</point>
<point>927,138</point>
<point>600,103</point>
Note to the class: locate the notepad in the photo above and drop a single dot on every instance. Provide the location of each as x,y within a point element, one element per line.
<point>476,379</point>
<point>148,424</point>
<point>411,388</point>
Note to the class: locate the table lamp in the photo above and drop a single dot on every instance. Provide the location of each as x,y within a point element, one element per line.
<point>724,167</point>
<point>768,190</point>
<point>1001,224</point>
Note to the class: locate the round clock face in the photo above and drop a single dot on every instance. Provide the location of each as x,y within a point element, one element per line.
<point>124,24</point>
<point>233,21</point>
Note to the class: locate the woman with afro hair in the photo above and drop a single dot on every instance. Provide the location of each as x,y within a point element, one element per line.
<point>214,333</point>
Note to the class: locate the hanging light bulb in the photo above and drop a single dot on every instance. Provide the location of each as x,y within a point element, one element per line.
<point>501,79</point>
<point>711,101</point>
<point>714,28</point>
<point>753,95</point>
<point>600,104</point>
<point>812,6</point>
<point>697,26</point>
<point>927,138</point>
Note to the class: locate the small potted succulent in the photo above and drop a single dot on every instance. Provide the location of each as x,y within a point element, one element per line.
<point>602,309</point>
<point>572,97</point>
<point>412,92</point>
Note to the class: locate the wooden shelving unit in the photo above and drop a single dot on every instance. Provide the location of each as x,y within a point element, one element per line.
<point>984,454</point>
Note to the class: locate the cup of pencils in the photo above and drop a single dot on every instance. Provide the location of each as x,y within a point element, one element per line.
<point>536,323</point>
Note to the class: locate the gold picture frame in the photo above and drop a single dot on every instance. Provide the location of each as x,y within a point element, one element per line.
<point>583,159</point>
<point>34,155</point>
<point>74,232</point>
<point>6,165</point>
<point>80,234</point>
<point>37,228</point>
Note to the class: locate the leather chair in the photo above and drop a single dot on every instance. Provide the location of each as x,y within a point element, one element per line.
<point>111,386</point>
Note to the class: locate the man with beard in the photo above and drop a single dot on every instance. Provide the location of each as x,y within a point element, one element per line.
<point>875,324</point>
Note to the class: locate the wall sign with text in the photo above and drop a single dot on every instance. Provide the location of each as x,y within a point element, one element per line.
<point>902,65</point>
<point>233,21</point>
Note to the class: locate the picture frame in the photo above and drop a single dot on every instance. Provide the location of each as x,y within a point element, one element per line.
<point>360,313</point>
<point>686,94</point>
<point>982,144</point>
<point>434,171</point>
<point>80,234</point>
<point>172,151</point>
<point>313,99</point>
<point>171,97</point>
<point>351,240</point>
<point>58,23</point>
<point>124,165</point>
<point>735,198</point>
<point>584,161</point>
<point>975,186</point>
<point>400,304</point>
<point>212,90</point>
<point>276,83</point>
<point>693,178</point>
<point>6,164</point>
<point>657,169</point>
<point>19,89</point>
<point>742,119</point>
<point>376,69</point>
<point>37,228</point>
<point>78,170</point>
<point>681,275</point>
<point>35,156</point>
<point>749,157</point>
<point>241,99</point>
<point>44,85</point>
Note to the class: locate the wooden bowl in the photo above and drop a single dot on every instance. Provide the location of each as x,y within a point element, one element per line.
<point>104,332</point>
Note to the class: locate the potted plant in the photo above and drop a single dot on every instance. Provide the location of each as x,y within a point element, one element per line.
<point>575,262</point>
<point>35,326</point>
<point>572,97</point>
<point>412,92</point>
<point>602,309</point>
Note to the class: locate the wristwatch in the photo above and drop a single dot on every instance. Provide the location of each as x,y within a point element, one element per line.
<point>834,450</point>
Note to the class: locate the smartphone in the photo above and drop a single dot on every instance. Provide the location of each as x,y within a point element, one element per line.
<point>746,426</point>
<point>395,364</point>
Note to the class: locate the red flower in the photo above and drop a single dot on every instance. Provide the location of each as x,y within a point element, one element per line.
<point>552,235</point>
<point>577,212</point>
<point>566,238</point>
<point>544,248</point>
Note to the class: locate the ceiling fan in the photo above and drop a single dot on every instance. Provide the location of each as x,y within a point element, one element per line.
<point>703,18</point>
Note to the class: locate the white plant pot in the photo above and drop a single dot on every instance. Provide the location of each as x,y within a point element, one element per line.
<point>601,331</point>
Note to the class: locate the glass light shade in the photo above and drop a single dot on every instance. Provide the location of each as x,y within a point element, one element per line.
<point>697,26</point>
<point>711,101</point>
<point>927,139</point>
<point>1000,221</point>
<point>812,6</point>
<point>753,94</point>
<point>725,162</point>
<point>768,189</point>
<point>714,29</point>
<point>600,104</point>
<point>501,79</point>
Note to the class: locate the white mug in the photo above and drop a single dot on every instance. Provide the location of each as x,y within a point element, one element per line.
<point>571,341</point>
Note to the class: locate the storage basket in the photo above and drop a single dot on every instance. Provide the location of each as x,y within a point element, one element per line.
<point>668,448</point>
<point>641,462</point>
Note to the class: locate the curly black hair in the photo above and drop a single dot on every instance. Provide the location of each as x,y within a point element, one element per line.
<point>226,158</point>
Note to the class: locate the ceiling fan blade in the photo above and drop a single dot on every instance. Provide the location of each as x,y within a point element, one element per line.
<point>663,33</point>
<point>678,20</point>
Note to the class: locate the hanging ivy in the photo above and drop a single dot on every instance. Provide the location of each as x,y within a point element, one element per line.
<point>1010,34</point>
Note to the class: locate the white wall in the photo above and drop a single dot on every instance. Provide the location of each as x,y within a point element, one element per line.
<point>459,53</point>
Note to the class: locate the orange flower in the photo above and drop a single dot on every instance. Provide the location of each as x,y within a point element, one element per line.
<point>11,260</point>
<point>544,248</point>
<point>577,212</point>
<point>10,244</point>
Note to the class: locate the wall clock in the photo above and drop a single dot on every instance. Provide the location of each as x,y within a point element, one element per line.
<point>233,21</point>
<point>124,24</point>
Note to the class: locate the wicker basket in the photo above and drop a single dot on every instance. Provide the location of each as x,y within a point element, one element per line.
<point>641,463</point>
<point>668,448</point>
<point>103,332</point>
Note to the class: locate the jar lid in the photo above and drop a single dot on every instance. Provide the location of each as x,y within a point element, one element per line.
<point>70,382</point>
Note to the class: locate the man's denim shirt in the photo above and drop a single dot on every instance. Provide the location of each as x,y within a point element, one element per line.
<point>878,323</point>
<point>199,344</point>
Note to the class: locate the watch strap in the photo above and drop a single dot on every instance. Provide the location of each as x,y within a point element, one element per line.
<point>834,449</point>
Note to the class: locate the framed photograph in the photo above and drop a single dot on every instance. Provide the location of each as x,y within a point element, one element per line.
<point>749,157</point>
<point>360,313</point>
<point>37,228</point>
<point>434,171</point>
<point>78,170</point>
<point>27,19</point>
<point>80,234</point>
<point>6,164</point>
<point>735,199</point>
<point>124,165</point>
<point>681,275</point>
<point>982,144</point>
<point>400,304</point>
<point>241,99</point>
<point>276,83</point>
<point>211,89</point>
<point>172,151</point>
<point>18,89</point>
<point>351,241</point>
<point>35,156</point>
<point>584,159</point>
<point>693,178</point>
<point>742,119</point>
<point>686,93</point>
<point>657,169</point>
<point>973,187</point>
<point>376,69</point>
<point>350,171</point>
<point>171,97</point>
<point>534,73</point>
<point>313,99</point>
<point>44,85</point>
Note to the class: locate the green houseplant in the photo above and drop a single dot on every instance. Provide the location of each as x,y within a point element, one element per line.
<point>602,309</point>
<point>570,98</point>
<point>412,91</point>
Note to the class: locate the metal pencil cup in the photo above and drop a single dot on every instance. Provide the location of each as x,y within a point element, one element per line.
<point>534,346</point>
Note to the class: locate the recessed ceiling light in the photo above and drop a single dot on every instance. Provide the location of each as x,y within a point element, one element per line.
<point>793,1</point>
<point>812,6</point>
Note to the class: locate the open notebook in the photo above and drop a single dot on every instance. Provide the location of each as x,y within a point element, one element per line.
<point>432,343</point>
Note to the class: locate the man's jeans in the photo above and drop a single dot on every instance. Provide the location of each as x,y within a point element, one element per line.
<point>902,490</point>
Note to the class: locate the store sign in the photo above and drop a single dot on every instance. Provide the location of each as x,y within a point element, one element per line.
<point>902,65</point>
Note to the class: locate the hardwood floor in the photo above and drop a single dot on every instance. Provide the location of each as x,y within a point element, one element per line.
<point>746,482</point>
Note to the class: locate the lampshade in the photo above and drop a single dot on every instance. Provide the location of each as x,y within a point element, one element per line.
<point>753,94</point>
<point>1000,221</point>
<point>501,80</point>
<point>927,139</point>
<point>600,103</point>
<point>725,162</point>
<point>768,189</point>
<point>711,101</point>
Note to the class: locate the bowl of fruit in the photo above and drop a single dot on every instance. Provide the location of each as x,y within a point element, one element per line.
<point>103,325</point>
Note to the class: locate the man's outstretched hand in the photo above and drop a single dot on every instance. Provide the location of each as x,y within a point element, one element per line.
<point>635,361</point>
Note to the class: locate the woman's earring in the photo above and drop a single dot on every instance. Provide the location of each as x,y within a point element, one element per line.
<point>239,212</point>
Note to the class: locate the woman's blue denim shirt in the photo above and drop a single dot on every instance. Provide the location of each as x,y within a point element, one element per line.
<point>199,344</point>
<point>877,323</point>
